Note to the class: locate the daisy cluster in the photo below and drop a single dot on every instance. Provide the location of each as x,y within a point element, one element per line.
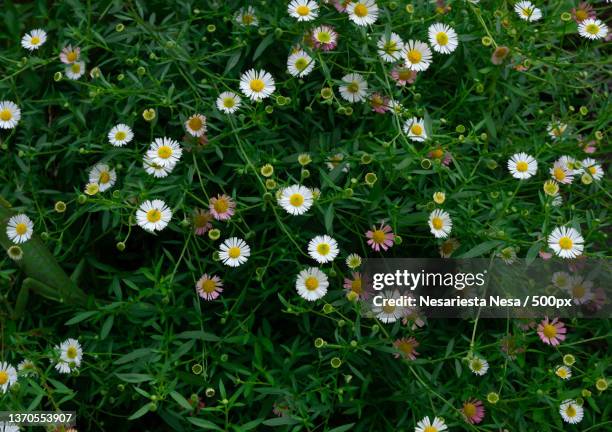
<point>258,152</point>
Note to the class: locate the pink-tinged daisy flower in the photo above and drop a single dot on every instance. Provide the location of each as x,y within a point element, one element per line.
<point>582,12</point>
<point>209,287</point>
<point>407,348</point>
<point>379,103</point>
<point>402,76</point>
<point>552,332</point>
<point>341,5</point>
<point>562,173</point>
<point>222,207</point>
<point>324,37</point>
<point>70,55</point>
<point>473,411</point>
<point>380,238</point>
<point>355,285</point>
<point>201,221</point>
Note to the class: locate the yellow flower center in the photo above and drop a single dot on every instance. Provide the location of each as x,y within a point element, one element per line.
<point>476,365</point>
<point>388,309</point>
<point>527,11</point>
<point>201,220</point>
<point>522,166</point>
<point>353,87</point>
<point>104,177</point>
<point>562,373</point>
<point>405,74</point>
<point>35,40</point>
<point>21,228</point>
<point>550,331</point>
<point>302,10</point>
<point>153,215</point>
<point>469,409</point>
<point>301,64</point>
<point>228,102</point>
<point>356,286</point>
<point>414,56</point>
<point>581,15</point>
<point>209,286</point>
<point>437,223</point>
<point>559,174</point>
<point>71,56</point>
<point>566,243</point>
<point>390,47</point>
<point>195,123</point>
<point>75,68</point>
<point>406,347</point>
<point>164,152</point>
<point>3,377</point>
<point>592,29</point>
<point>447,248</point>
<point>323,249</point>
<point>416,129</point>
<point>570,411</point>
<point>324,37</point>
<point>221,205</point>
<point>296,200</point>
<point>233,252</point>
<point>6,114</point>
<point>378,236</point>
<point>592,170</point>
<point>578,291</point>
<point>120,135</point>
<point>257,85</point>
<point>311,283</point>
<point>71,352</point>
<point>361,10</point>
<point>247,19</point>
<point>430,429</point>
<point>442,38</point>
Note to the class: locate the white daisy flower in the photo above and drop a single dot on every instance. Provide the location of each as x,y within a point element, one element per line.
<point>593,168</point>
<point>196,125</point>
<point>566,242</point>
<point>592,28</point>
<point>300,64</point>
<point>19,228</point>
<point>442,38</point>
<point>390,48</point>
<point>416,55</point>
<point>415,129</point>
<point>522,166</point>
<point>34,40</point>
<point>563,372</point>
<point>323,249</point>
<point>8,376</point>
<point>153,215</point>
<point>120,135</point>
<point>71,355</point>
<point>353,261</point>
<point>246,17</point>
<point>527,11</point>
<point>571,412</point>
<point>478,365</point>
<point>26,367</point>
<point>234,252</point>
<point>75,70</point>
<point>435,425</point>
<point>165,152</point>
<point>257,85</point>
<point>303,10</point>
<point>296,199</point>
<point>562,173</point>
<point>362,12</point>
<point>228,102</point>
<point>561,280</point>
<point>570,163</point>
<point>354,88</point>
<point>556,129</point>
<point>10,114</point>
<point>5,427</point>
<point>440,223</point>
<point>103,176</point>
<point>386,312</point>
<point>311,284</point>
<point>580,289</point>
<point>155,169</point>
